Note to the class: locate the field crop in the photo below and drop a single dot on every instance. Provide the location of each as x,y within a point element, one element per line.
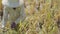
<point>41,18</point>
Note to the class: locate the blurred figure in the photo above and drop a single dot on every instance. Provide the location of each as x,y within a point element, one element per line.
<point>1,10</point>
<point>13,11</point>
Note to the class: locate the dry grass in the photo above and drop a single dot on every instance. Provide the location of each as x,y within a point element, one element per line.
<point>39,20</point>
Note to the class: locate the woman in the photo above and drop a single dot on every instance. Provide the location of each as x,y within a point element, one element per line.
<point>15,9</point>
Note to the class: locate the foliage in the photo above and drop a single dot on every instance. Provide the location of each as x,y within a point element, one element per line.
<point>39,20</point>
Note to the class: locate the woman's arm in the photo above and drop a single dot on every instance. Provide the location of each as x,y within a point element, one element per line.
<point>5,17</point>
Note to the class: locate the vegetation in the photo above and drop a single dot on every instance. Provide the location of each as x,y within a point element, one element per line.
<point>41,18</point>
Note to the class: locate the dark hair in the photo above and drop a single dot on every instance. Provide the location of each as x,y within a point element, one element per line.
<point>13,25</point>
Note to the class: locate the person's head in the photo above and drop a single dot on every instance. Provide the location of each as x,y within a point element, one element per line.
<point>13,25</point>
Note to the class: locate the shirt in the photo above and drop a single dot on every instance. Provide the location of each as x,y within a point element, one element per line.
<point>12,3</point>
<point>13,14</point>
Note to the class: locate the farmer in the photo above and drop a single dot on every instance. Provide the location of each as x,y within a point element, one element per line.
<point>13,11</point>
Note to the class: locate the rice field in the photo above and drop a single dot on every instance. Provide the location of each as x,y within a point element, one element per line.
<point>42,17</point>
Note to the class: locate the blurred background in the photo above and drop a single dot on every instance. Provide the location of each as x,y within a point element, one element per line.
<point>42,17</point>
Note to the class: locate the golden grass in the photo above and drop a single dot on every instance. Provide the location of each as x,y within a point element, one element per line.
<point>42,21</point>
